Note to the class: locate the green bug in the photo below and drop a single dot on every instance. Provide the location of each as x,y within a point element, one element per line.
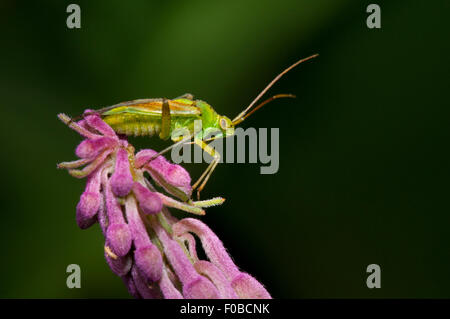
<point>148,117</point>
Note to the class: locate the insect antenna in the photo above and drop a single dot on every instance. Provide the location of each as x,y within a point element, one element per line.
<point>238,119</point>
<point>260,105</point>
<point>93,112</point>
<point>77,118</point>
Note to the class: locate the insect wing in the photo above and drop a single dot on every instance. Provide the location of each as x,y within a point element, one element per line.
<point>178,108</point>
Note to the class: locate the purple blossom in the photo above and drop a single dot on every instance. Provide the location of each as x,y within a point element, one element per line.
<point>154,253</point>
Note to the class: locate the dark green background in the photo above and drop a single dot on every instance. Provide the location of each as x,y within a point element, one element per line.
<point>364,160</point>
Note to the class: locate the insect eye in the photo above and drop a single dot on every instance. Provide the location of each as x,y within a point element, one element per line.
<point>223,124</point>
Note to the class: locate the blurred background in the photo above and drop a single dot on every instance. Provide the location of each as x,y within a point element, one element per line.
<point>364,160</point>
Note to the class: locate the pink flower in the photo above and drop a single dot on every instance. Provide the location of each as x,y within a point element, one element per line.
<point>153,252</point>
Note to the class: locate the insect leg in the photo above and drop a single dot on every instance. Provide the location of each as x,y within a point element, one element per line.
<point>208,171</point>
<point>200,188</point>
<point>165,120</point>
<point>184,140</point>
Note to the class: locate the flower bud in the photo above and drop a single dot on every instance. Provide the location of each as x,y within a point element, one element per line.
<point>90,148</point>
<point>96,123</point>
<point>90,201</point>
<point>248,287</point>
<point>145,290</point>
<point>119,265</point>
<point>172,177</point>
<point>212,245</point>
<point>210,271</point>
<point>137,227</point>
<point>178,176</point>
<point>118,238</point>
<point>149,261</point>
<point>121,180</point>
<point>87,209</point>
<point>131,287</point>
<point>195,286</point>
<point>149,202</point>
<point>118,234</point>
<point>200,288</point>
<point>167,287</point>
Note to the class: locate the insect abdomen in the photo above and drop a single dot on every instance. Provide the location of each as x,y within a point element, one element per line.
<point>133,124</point>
